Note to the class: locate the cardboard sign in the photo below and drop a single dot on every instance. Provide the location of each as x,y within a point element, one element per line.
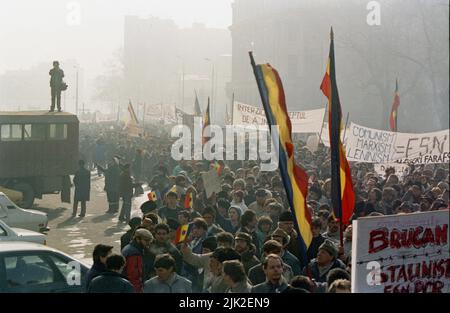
<point>365,144</point>
<point>406,253</point>
<point>302,121</point>
<point>212,182</point>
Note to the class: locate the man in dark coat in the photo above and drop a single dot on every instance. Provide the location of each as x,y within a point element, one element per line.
<point>317,240</point>
<point>100,254</point>
<point>111,281</point>
<point>326,260</point>
<point>112,174</point>
<point>126,193</point>
<point>56,84</point>
<point>82,183</point>
<point>275,283</point>
<point>246,249</point>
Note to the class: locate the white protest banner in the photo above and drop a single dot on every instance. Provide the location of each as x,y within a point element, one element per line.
<point>104,118</point>
<point>370,145</point>
<point>212,182</point>
<point>307,121</point>
<point>302,121</point>
<point>401,253</point>
<point>401,169</point>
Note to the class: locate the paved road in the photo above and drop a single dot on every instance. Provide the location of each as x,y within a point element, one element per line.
<point>78,236</point>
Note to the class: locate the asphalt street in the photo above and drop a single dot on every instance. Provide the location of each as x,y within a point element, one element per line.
<point>78,236</point>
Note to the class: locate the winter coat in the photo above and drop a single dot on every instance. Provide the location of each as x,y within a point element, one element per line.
<point>112,174</point>
<point>292,261</point>
<point>96,269</point>
<point>125,185</point>
<point>257,276</point>
<point>312,270</point>
<point>133,270</point>
<point>313,248</point>
<point>268,287</point>
<point>110,282</point>
<point>241,287</point>
<point>249,259</point>
<point>175,284</point>
<point>82,183</point>
<point>200,261</point>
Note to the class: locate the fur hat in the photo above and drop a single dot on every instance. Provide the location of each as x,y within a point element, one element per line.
<point>329,247</point>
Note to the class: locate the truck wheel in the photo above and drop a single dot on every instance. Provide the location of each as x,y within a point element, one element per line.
<point>27,193</point>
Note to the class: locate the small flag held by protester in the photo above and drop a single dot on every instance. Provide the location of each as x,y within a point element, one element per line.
<point>218,166</point>
<point>152,196</point>
<point>182,233</point>
<point>188,201</point>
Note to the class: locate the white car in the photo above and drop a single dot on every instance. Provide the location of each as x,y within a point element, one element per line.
<point>18,234</point>
<point>31,267</point>
<point>14,216</point>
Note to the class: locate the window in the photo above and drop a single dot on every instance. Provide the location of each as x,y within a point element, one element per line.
<point>27,271</point>
<point>11,132</point>
<point>58,131</point>
<point>65,266</point>
<point>34,131</point>
<point>3,232</point>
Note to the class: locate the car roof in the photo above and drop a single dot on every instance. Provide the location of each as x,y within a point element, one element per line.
<point>9,246</point>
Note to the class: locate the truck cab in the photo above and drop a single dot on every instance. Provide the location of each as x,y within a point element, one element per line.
<point>38,153</point>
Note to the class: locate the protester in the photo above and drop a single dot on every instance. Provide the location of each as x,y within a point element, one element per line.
<point>82,183</point>
<point>111,280</point>
<point>166,279</point>
<point>99,256</point>
<point>326,260</point>
<point>273,269</point>
<point>133,253</point>
<point>235,278</point>
<point>256,274</point>
<point>244,246</point>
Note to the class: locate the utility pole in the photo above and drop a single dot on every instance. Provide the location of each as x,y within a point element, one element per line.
<point>182,88</point>
<point>76,96</point>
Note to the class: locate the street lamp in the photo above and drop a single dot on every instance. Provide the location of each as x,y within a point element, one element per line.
<point>182,81</point>
<point>76,95</point>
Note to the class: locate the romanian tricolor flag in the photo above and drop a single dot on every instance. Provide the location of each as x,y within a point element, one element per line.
<point>342,194</point>
<point>152,196</point>
<point>218,166</point>
<point>188,201</point>
<point>182,233</point>
<point>294,178</point>
<point>206,123</point>
<point>394,110</point>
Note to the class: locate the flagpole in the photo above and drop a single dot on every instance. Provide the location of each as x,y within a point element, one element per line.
<point>323,122</point>
<point>232,109</point>
<point>346,123</point>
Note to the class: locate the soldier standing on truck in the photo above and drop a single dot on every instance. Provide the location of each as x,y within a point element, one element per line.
<point>56,85</point>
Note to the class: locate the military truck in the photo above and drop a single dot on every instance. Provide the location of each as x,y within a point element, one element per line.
<point>38,152</point>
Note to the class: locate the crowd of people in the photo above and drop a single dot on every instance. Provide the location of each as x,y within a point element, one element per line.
<point>243,238</point>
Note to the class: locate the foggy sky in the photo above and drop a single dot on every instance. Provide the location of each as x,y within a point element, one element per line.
<point>37,31</point>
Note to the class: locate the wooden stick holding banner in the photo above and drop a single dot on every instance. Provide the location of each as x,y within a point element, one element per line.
<point>323,122</point>
<point>346,124</point>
